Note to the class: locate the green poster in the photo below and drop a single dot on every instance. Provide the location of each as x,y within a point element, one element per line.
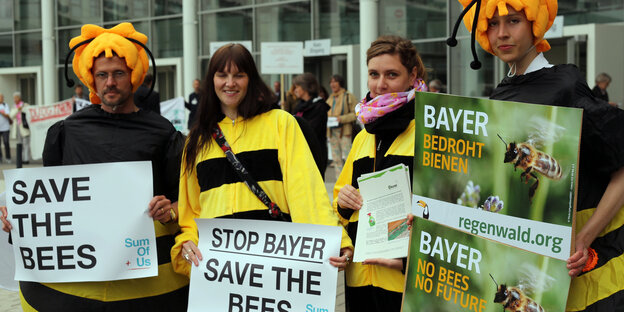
<point>522,157</point>
<point>449,270</point>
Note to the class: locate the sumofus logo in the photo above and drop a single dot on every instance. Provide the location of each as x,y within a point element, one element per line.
<point>141,257</point>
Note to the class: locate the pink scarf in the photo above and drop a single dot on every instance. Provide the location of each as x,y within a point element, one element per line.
<point>368,112</point>
<point>19,116</point>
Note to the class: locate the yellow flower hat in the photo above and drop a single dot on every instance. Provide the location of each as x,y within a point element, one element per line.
<point>123,40</point>
<point>541,13</point>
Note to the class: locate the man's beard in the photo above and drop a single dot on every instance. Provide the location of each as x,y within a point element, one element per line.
<point>115,104</point>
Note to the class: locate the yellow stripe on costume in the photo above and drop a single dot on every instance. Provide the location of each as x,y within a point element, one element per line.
<point>584,215</point>
<point>166,281</point>
<point>608,278</point>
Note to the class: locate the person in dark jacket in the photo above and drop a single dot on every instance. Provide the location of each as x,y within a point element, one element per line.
<point>313,109</point>
<point>515,34</point>
<point>114,130</point>
<point>193,103</point>
<point>395,74</point>
<point>146,100</point>
<point>600,89</point>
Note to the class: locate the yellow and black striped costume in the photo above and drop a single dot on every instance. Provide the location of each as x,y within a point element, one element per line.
<point>601,154</point>
<point>95,136</point>
<point>273,149</point>
<point>385,285</point>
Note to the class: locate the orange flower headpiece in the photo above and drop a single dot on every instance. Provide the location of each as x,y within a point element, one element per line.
<point>123,40</point>
<point>476,14</point>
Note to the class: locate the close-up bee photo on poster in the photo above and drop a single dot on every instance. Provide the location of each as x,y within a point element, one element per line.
<point>494,168</point>
<point>509,158</point>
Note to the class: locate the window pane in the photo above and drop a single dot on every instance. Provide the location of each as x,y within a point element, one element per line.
<point>28,49</point>
<point>28,14</point>
<point>6,51</point>
<point>466,81</point>
<point>6,15</point>
<point>587,12</point>
<point>413,19</point>
<point>120,10</point>
<point>340,21</point>
<point>66,92</point>
<point>219,4</point>
<point>167,7</point>
<point>64,36</point>
<point>76,12</point>
<point>167,38</point>
<point>142,27</point>
<point>226,26</point>
<point>289,22</point>
<point>433,55</point>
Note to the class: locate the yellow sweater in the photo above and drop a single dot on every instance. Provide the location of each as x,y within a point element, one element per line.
<point>272,148</point>
<point>361,160</point>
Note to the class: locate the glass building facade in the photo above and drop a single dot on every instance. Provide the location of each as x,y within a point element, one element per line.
<point>426,22</point>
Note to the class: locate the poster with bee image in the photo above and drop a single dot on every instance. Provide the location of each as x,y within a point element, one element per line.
<point>501,170</point>
<point>451,270</point>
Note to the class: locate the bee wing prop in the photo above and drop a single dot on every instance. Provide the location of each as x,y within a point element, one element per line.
<point>543,131</point>
<point>533,280</point>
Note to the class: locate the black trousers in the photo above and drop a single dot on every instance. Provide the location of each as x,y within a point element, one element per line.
<point>5,141</point>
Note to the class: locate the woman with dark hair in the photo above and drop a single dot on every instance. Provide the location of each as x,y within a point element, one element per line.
<point>313,109</point>
<point>395,73</point>
<point>268,143</point>
<point>514,32</point>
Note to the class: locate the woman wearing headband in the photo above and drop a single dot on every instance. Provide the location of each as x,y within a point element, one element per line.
<point>395,73</point>
<point>513,30</point>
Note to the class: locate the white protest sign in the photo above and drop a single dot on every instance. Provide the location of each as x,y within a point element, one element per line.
<point>281,57</point>
<point>251,265</point>
<point>556,30</point>
<point>173,110</point>
<point>81,103</point>
<point>317,47</point>
<point>40,118</point>
<point>215,45</point>
<point>82,222</point>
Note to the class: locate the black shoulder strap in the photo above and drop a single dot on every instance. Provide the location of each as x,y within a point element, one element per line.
<point>274,210</point>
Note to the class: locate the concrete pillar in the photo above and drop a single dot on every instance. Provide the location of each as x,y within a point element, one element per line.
<point>50,80</point>
<point>190,40</point>
<point>369,31</point>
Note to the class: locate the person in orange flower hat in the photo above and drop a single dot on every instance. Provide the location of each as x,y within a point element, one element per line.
<point>513,31</point>
<point>112,64</point>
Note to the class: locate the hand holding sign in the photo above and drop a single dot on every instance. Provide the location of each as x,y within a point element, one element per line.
<point>265,266</point>
<point>191,253</point>
<point>6,225</point>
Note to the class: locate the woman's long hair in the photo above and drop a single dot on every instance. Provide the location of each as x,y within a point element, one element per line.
<point>259,98</point>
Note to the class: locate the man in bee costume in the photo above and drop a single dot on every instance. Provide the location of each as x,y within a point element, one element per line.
<point>112,64</point>
<point>513,31</point>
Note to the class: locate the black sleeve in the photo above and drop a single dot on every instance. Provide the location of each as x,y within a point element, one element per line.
<point>603,130</point>
<point>53,147</point>
<point>313,143</point>
<point>172,161</point>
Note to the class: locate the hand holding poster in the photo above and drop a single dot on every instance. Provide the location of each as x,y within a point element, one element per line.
<point>498,177</point>
<point>59,230</point>
<point>251,265</point>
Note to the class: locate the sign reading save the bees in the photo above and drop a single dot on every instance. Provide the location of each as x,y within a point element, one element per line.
<point>499,181</point>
